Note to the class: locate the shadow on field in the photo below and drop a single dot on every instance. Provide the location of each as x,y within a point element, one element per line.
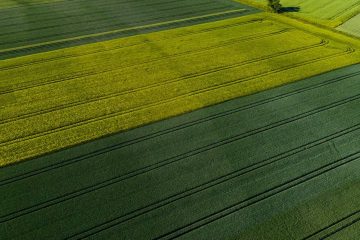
<point>289,9</point>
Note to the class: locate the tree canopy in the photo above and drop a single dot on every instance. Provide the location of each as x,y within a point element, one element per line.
<point>274,5</point>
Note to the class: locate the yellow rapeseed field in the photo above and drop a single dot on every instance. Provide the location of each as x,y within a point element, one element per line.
<point>53,100</point>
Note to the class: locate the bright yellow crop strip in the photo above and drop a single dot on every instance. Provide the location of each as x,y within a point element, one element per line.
<point>152,77</point>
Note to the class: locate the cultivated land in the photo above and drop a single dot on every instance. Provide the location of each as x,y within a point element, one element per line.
<point>179,125</point>
<point>45,27</point>
<point>61,98</point>
<point>18,3</point>
<point>352,26</point>
<point>327,12</point>
<point>231,171</point>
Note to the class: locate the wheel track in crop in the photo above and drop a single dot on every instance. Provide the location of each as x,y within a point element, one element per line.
<point>164,83</point>
<point>336,226</point>
<point>63,34</point>
<point>89,72</point>
<point>204,186</point>
<point>111,5</point>
<point>77,1</point>
<point>280,188</point>
<point>154,135</point>
<point>117,33</point>
<point>30,5</point>
<point>164,101</point>
<point>355,5</point>
<point>115,48</point>
<point>112,17</point>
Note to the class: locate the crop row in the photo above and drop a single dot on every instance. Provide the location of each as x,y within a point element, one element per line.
<point>89,103</point>
<point>184,173</point>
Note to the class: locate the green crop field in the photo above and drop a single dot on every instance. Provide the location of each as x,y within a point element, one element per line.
<point>352,26</point>
<point>19,3</point>
<point>327,12</point>
<point>230,171</point>
<point>179,119</point>
<point>61,98</point>
<point>42,27</point>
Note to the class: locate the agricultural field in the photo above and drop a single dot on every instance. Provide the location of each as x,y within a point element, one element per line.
<point>16,3</point>
<point>36,28</point>
<point>326,12</point>
<point>351,26</point>
<point>57,99</point>
<point>179,119</point>
<point>230,171</point>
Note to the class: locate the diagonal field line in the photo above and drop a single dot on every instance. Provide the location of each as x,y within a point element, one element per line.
<point>173,129</point>
<point>341,228</point>
<point>182,6</point>
<point>337,226</point>
<point>260,197</point>
<point>89,72</point>
<point>117,47</point>
<point>169,100</point>
<point>178,196</point>
<point>124,30</point>
<point>241,204</point>
<point>73,14</point>
<point>158,84</point>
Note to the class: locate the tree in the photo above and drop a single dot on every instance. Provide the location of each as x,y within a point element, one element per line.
<point>274,5</point>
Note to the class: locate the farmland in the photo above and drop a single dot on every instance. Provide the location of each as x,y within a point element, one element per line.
<point>326,12</point>
<point>179,119</point>
<point>45,111</point>
<point>230,171</point>
<point>43,27</point>
<point>351,26</point>
<point>13,4</point>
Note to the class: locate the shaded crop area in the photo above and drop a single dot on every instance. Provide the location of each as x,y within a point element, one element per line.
<point>42,27</point>
<point>280,164</point>
<point>54,100</point>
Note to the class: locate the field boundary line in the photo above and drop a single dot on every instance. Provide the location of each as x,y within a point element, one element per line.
<point>211,183</point>
<point>86,73</point>
<point>92,28</point>
<point>32,4</point>
<point>115,48</point>
<point>289,184</point>
<point>112,17</point>
<point>123,30</point>
<point>115,3</point>
<point>339,14</point>
<point>176,128</point>
<point>163,83</point>
<point>154,104</point>
<point>342,228</point>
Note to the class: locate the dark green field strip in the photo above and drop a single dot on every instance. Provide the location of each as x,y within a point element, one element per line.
<point>117,47</point>
<point>337,227</point>
<point>217,173</point>
<point>350,232</point>
<point>67,20</point>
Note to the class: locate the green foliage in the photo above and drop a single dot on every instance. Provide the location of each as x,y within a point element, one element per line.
<point>274,5</point>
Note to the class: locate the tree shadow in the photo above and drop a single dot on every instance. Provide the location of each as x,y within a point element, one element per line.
<point>289,9</point>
